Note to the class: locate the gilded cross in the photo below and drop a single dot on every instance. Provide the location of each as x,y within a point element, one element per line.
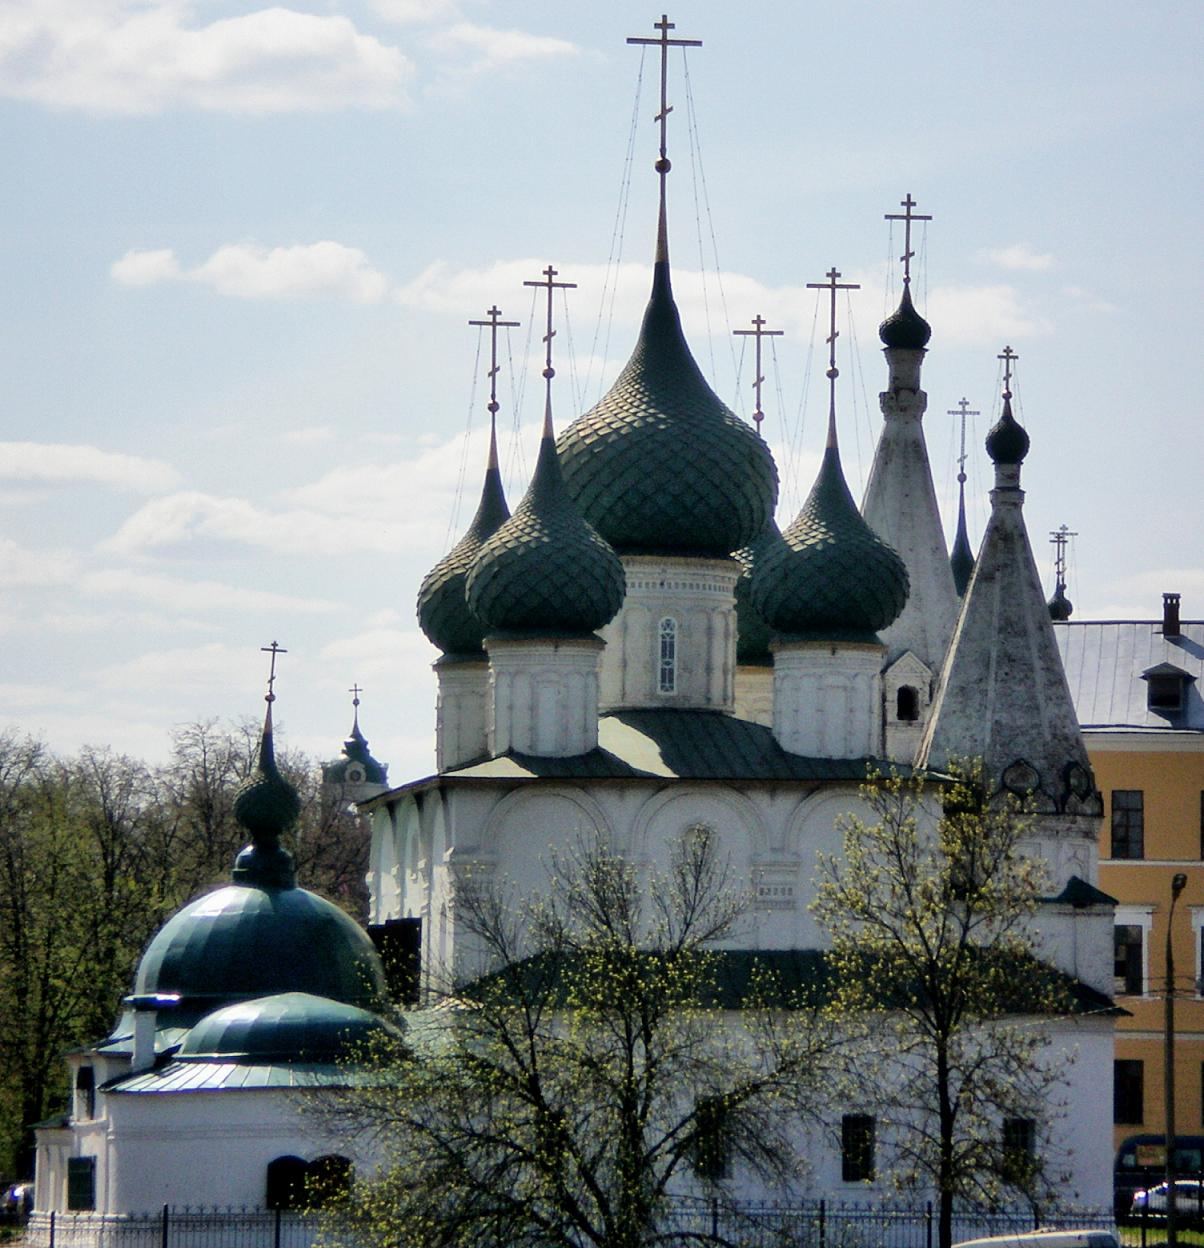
<point>963,410</point>
<point>907,217</point>
<point>549,285</point>
<point>758,332</point>
<point>833,285</point>
<point>1009,357</point>
<point>494,325</point>
<point>665,43</point>
<point>274,649</point>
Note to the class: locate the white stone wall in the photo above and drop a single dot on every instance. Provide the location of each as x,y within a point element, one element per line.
<point>460,713</point>
<point>827,699</point>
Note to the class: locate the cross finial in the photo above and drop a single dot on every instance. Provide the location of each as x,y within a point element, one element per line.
<point>355,692</point>
<point>665,43</point>
<point>1060,537</point>
<point>907,217</point>
<point>274,649</point>
<point>494,324</point>
<point>758,332</point>
<point>550,285</point>
<point>833,372</point>
<point>963,410</point>
<point>1009,357</point>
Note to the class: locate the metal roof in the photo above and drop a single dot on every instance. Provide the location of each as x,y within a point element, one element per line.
<point>1105,659</point>
<point>179,1076</point>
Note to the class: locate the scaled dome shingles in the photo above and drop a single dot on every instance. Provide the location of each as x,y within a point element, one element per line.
<point>660,465</point>
<point>753,635</point>
<point>905,327</point>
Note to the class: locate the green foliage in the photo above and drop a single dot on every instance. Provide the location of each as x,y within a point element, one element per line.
<point>929,909</point>
<point>555,1098</point>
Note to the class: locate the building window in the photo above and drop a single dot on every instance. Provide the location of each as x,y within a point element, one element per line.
<point>1128,1093</point>
<point>1128,946</point>
<point>1019,1151</point>
<point>81,1183</point>
<point>907,704</point>
<point>856,1148</point>
<point>286,1183</point>
<point>667,667</point>
<point>1128,823</point>
<point>1202,823</point>
<point>712,1144</point>
<point>85,1092</point>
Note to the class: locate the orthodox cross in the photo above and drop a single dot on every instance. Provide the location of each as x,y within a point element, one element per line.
<point>355,692</point>
<point>274,649</point>
<point>1009,357</point>
<point>833,372</point>
<point>665,43</point>
<point>758,332</point>
<point>1060,537</point>
<point>907,217</point>
<point>494,325</point>
<point>549,273</point>
<point>963,410</point>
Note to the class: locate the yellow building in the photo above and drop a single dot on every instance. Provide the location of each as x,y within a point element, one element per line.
<point>1136,686</point>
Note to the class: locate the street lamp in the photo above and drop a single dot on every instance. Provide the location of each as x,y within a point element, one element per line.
<point>1178,883</point>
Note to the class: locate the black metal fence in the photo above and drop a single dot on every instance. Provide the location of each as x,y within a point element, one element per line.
<point>730,1224</point>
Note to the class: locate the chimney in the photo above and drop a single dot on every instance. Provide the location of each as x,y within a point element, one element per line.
<point>1170,615</point>
<point>145,1008</point>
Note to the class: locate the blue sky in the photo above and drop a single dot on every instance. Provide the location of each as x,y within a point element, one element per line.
<point>241,245</point>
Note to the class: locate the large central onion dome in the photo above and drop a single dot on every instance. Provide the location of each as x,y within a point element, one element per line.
<point>660,465</point>
<point>546,571</point>
<point>830,577</point>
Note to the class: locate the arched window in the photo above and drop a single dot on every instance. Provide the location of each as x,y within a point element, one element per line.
<point>907,704</point>
<point>667,667</point>
<point>286,1183</point>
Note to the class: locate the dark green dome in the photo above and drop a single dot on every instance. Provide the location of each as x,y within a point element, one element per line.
<point>1060,607</point>
<point>357,760</point>
<point>546,571</point>
<point>1007,442</point>
<point>905,327</point>
<point>961,558</point>
<point>829,576</point>
<point>286,1027</point>
<point>753,635</point>
<point>660,465</point>
<point>443,611</point>
<point>246,941</point>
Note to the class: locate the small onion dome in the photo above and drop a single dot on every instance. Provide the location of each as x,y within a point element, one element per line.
<point>1007,442</point>
<point>830,577</point>
<point>961,558</point>
<point>660,465</point>
<point>546,571</point>
<point>285,1027</point>
<point>905,327</point>
<point>443,611</point>
<point>245,941</point>
<point>752,633</point>
<point>357,766</point>
<point>1060,607</point>
<point>267,806</point>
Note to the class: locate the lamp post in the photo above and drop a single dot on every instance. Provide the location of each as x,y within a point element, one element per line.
<point>1177,885</point>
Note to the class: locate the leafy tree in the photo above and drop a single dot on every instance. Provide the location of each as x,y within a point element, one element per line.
<point>559,1097</point>
<point>936,973</point>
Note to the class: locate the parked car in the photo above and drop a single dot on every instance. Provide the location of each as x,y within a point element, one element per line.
<point>17,1202</point>
<point>1045,1239</point>
<point>1189,1201</point>
<point>1141,1163</point>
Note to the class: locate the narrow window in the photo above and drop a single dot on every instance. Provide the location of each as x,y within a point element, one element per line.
<point>712,1143</point>
<point>1128,823</point>
<point>85,1092</point>
<point>907,704</point>
<point>667,668</point>
<point>1128,959</point>
<point>81,1183</point>
<point>1202,823</point>
<point>1019,1152</point>
<point>856,1148</point>
<point>1128,1092</point>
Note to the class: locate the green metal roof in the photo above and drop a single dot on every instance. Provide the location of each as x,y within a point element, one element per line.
<point>830,577</point>
<point>546,571</point>
<point>178,1076</point>
<point>355,750</point>
<point>660,465</point>
<point>753,635</point>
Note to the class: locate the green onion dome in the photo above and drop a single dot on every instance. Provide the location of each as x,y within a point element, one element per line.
<point>357,766</point>
<point>905,327</point>
<point>285,1027</point>
<point>443,611</point>
<point>961,558</point>
<point>546,571</point>
<point>1060,607</point>
<point>829,577</point>
<point>660,465</point>
<point>753,635</point>
<point>1007,442</point>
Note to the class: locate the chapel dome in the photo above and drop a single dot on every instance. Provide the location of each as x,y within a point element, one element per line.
<point>660,465</point>
<point>546,571</point>
<point>753,635</point>
<point>1007,442</point>
<point>285,1027</point>
<point>829,576</point>
<point>905,327</point>
<point>443,611</point>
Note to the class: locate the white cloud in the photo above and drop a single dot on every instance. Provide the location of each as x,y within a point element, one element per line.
<point>324,269</point>
<point>405,12</point>
<point>193,596</point>
<point>62,463</point>
<point>310,436</point>
<point>1019,256</point>
<point>145,56</point>
<point>29,569</point>
<point>971,315</point>
<point>487,49</point>
<point>184,669</point>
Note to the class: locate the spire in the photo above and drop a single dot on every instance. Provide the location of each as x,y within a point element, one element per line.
<point>961,561</point>
<point>1060,607</point>
<point>355,750</point>
<point>1003,695</point>
<point>266,805</point>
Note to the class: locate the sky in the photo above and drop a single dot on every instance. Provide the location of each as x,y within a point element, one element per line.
<point>240,400</point>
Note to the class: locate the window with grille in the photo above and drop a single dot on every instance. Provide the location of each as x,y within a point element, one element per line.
<point>81,1183</point>
<point>856,1148</point>
<point>1128,823</point>
<point>667,668</point>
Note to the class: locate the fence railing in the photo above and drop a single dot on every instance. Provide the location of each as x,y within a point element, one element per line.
<point>686,1221</point>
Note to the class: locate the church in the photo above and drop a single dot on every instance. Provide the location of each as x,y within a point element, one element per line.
<point>636,650</point>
